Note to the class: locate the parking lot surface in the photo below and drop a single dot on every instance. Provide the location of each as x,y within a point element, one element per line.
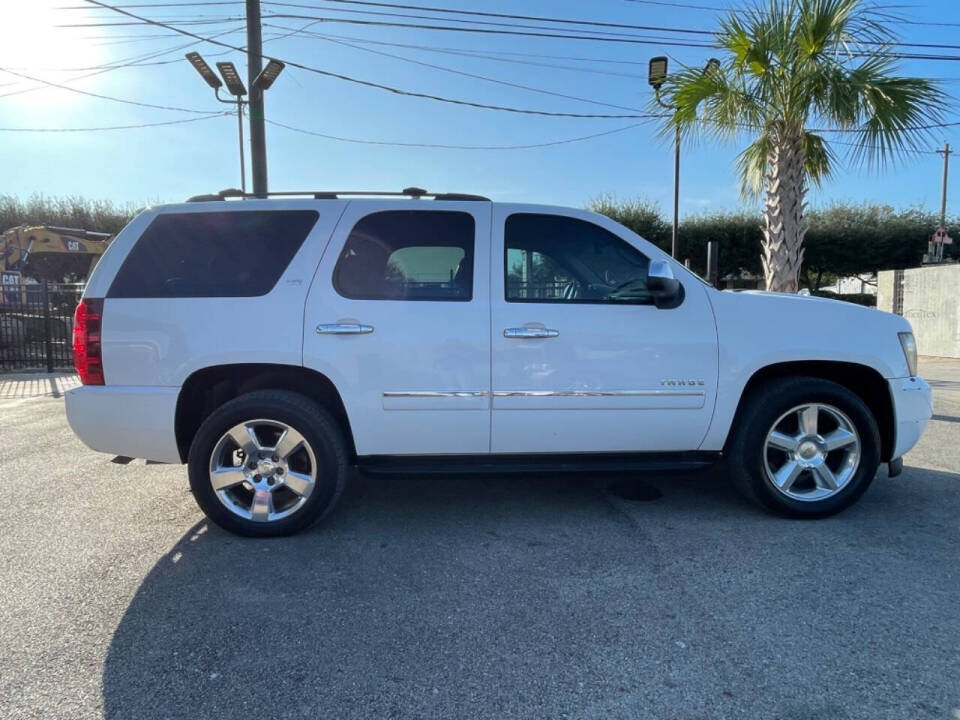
<point>519,596</point>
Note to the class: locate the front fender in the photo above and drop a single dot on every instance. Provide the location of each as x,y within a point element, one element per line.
<point>759,330</point>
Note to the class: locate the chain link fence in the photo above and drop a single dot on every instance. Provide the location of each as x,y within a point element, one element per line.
<point>36,325</point>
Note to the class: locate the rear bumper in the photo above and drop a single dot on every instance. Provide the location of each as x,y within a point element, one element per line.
<point>912,409</point>
<point>123,420</point>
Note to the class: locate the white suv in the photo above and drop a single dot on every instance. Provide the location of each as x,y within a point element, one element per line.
<point>272,343</point>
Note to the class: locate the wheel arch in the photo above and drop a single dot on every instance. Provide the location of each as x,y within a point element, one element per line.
<point>863,380</point>
<point>208,388</point>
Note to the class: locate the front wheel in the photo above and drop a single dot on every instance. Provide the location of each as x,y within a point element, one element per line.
<point>804,447</point>
<point>267,463</point>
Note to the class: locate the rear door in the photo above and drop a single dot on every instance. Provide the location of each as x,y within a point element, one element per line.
<point>398,318</point>
<point>583,361</point>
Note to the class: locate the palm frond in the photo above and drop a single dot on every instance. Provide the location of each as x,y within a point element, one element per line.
<point>752,164</point>
<point>789,66</point>
<point>820,157</point>
<point>898,115</point>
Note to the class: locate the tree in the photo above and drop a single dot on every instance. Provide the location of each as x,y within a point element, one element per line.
<point>791,70</point>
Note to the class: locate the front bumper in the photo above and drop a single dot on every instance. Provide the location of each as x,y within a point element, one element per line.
<point>126,420</point>
<point>912,410</point>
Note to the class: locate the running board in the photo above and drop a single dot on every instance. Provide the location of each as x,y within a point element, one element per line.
<point>535,463</point>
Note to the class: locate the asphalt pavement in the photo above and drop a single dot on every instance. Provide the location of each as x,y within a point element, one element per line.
<point>506,597</point>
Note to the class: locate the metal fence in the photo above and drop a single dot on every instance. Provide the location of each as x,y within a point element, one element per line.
<point>36,325</point>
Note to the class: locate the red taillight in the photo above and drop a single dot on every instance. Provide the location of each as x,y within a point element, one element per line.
<point>87,356</point>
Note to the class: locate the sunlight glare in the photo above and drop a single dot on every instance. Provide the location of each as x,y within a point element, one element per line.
<point>31,43</point>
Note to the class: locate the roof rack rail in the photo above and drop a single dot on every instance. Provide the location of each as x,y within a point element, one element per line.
<point>410,192</point>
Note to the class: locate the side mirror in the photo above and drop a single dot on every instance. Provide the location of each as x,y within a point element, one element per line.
<point>666,289</point>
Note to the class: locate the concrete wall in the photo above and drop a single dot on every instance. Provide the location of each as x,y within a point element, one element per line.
<point>931,302</point>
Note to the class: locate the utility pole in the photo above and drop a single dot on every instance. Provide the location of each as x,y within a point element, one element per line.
<point>674,249</point>
<point>943,199</point>
<point>258,135</point>
<point>938,245</point>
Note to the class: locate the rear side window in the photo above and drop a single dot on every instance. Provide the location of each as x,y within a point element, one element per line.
<point>218,254</point>
<point>408,255</point>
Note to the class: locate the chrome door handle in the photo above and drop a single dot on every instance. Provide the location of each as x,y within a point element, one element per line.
<point>344,329</point>
<point>521,333</point>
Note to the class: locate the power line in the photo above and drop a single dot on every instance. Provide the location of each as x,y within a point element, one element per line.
<point>109,97</point>
<point>556,20</point>
<point>448,11</point>
<point>454,147</point>
<point>398,91</point>
<point>158,5</point>
<point>627,39</point>
<point>681,5</point>
<point>137,60</point>
<point>484,54</point>
<point>618,38</point>
<point>171,22</point>
<point>594,35</point>
<point>388,88</point>
<point>585,34</point>
<point>481,77</point>
<point>116,127</point>
<point>570,21</point>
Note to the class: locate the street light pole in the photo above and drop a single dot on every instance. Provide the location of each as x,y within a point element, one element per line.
<point>657,76</point>
<point>243,169</point>
<point>674,250</point>
<point>261,82</point>
<point>234,86</point>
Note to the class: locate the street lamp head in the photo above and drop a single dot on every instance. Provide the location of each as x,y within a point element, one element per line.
<point>266,77</point>
<point>200,65</point>
<point>232,78</point>
<point>658,72</point>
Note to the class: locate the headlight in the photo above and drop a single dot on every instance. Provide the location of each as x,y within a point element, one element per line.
<point>909,345</point>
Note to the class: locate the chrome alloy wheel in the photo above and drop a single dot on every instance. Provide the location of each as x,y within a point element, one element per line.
<point>263,470</point>
<point>811,452</point>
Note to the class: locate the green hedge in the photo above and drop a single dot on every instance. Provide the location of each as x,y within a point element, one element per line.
<point>71,211</point>
<point>841,239</point>
<point>858,298</point>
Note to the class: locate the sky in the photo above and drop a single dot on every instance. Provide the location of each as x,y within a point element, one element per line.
<point>626,157</point>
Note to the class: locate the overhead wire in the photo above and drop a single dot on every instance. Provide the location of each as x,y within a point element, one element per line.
<point>116,127</point>
<point>389,88</point>
<point>140,60</point>
<point>481,54</point>
<point>108,97</point>
<point>442,146</point>
<point>485,78</point>
<point>116,65</point>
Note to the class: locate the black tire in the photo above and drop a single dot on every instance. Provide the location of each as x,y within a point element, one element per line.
<point>746,451</point>
<point>318,428</point>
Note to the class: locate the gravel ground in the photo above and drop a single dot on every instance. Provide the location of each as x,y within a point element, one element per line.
<point>493,598</point>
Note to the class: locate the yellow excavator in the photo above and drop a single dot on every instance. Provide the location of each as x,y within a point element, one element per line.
<point>80,249</point>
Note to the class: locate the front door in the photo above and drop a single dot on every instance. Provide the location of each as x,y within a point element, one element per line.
<point>583,361</point>
<point>398,319</point>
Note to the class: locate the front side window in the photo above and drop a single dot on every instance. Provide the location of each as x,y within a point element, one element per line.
<point>557,259</point>
<point>217,254</point>
<point>408,255</point>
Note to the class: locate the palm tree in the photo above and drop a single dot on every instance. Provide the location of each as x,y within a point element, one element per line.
<point>791,73</point>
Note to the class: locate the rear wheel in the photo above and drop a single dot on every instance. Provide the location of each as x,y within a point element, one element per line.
<point>804,447</point>
<point>267,463</point>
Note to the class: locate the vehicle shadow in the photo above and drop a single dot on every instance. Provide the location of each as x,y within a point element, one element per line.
<point>522,596</point>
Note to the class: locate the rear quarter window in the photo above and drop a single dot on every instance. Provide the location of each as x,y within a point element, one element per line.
<point>408,255</point>
<point>217,254</point>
